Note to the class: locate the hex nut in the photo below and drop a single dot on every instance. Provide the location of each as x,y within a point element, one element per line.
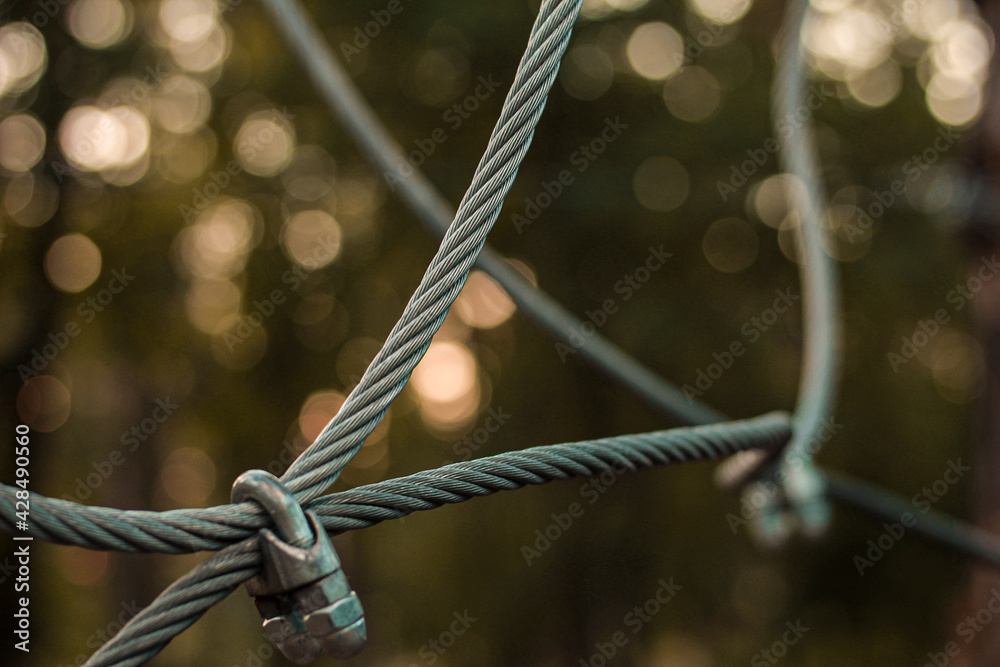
<point>322,593</point>
<point>347,642</point>
<point>335,617</point>
<point>289,634</point>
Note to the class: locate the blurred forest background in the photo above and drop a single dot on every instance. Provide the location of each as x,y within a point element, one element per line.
<point>197,264</point>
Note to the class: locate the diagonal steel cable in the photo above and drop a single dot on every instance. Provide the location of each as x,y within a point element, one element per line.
<point>318,466</point>
<point>363,125</point>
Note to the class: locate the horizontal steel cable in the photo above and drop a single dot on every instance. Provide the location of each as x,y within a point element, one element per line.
<point>189,597</point>
<point>188,530</point>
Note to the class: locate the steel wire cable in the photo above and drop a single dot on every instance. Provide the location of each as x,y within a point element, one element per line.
<point>231,529</point>
<point>189,597</point>
<point>187,530</point>
<point>364,127</point>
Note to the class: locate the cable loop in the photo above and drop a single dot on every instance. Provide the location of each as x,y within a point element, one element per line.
<point>302,594</point>
<point>285,510</point>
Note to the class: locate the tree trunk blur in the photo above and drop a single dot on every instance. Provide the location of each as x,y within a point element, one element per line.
<point>976,643</point>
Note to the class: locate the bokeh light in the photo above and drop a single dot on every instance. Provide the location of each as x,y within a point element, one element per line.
<point>264,144</point>
<point>73,263</point>
<point>100,24</point>
<point>22,142</point>
<point>723,12</point>
<point>82,567</point>
<point>188,20</point>
<point>730,245</point>
<point>93,139</point>
<point>31,199</point>
<point>587,72</point>
<point>317,411</point>
<point>693,94</point>
<point>23,57</point>
<point>483,303</point>
<point>311,238</point>
<point>862,44</point>
<point>182,104</point>
<point>218,243</point>
<point>43,403</point>
<point>661,183</point>
<point>446,383</point>
<point>188,476</point>
<point>655,51</point>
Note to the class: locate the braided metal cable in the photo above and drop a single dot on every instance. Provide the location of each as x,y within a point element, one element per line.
<point>350,108</point>
<point>318,466</point>
<point>232,529</point>
<point>188,530</point>
<point>188,598</point>
<point>821,358</point>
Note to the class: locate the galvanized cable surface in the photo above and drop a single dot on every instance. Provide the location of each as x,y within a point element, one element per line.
<point>318,466</point>
<point>932,525</point>
<point>188,530</point>
<point>820,368</point>
<point>349,107</point>
<point>802,484</point>
<point>188,598</point>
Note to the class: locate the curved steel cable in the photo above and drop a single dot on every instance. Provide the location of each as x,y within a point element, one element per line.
<point>233,528</point>
<point>350,108</point>
<point>318,466</point>
<point>340,440</point>
<point>821,357</point>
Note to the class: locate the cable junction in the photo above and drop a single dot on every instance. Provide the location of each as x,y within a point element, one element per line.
<point>775,446</point>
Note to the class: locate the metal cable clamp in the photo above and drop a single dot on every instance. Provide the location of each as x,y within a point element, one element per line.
<point>302,594</point>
